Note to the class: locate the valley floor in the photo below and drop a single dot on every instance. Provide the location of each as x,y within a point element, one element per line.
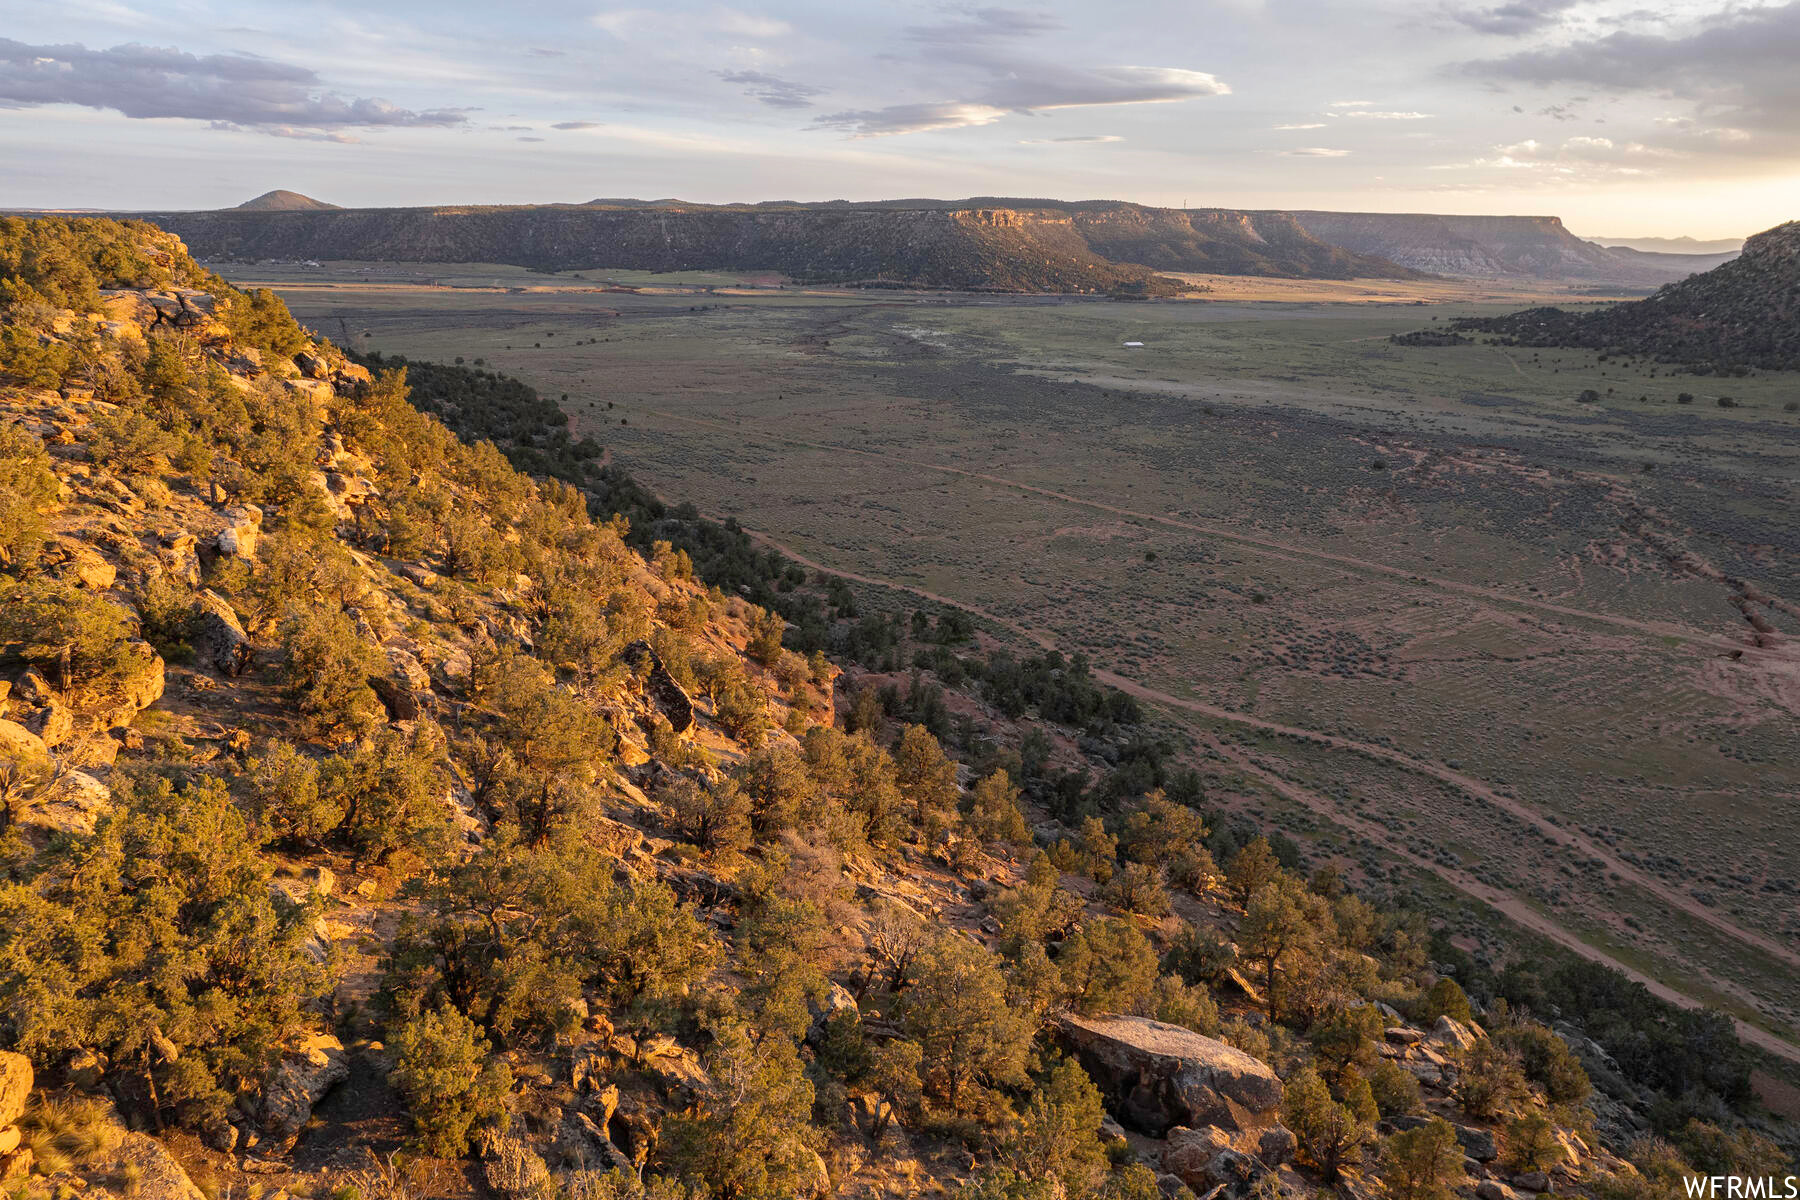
<point>1418,604</point>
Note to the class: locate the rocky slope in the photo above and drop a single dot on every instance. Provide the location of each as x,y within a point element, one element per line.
<point>1745,313</point>
<point>1008,247</point>
<point>1494,247</point>
<point>362,794</point>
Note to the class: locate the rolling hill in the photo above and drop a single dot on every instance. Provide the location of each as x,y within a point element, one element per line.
<point>1745,313</point>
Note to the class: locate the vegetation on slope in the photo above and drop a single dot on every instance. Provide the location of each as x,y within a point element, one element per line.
<point>1743,314</point>
<point>641,909</point>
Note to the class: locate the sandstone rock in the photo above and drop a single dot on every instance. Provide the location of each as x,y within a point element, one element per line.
<point>19,744</point>
<point>676,706</point>
<point>1478,1144</point>
<point>52,721</point>
<point>311,365</point>
<point>1157,1076</point>
<point>217,635</point>
<point>1276,1145</point>
<point>15,1085</point>
<point>305,1074</point>
<point>10,1137</point>
<point>1172,1188</point>
<point>1493,1189</point>
<point>30,688</point>
<point>1532,1181</point>
<point>1189,1152</point>
<point>1451,1033</point>
<point>838,999</point>
<point>94,573</point>
<point>422,576</point>
<point>582,1143</point>
<point>158,1175</point>
<point>1402,1035</point>
<point>589,1066</point>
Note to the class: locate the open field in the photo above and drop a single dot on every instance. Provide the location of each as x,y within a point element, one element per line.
<point>1548,650</point>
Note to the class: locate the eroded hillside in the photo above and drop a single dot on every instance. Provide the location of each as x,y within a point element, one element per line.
<point>380,821</point>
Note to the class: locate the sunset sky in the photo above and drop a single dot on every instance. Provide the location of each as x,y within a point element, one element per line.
<point>1625,120</point>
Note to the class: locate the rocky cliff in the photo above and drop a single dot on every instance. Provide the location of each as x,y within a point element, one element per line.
<point>1501,247</point>
<point>1025,247</point>
<point>1745,313</point>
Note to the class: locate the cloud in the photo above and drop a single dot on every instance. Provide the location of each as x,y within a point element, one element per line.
<point>1074,87</point>
<point>910,118</point>
<point>1737,66</point>
<point>541,52</point>
<point>577,125</point>
<point>530,139</point>
<point>772,89</point>
<point>1372,115</point>
<point>1301,125</point>
<point>237,90</point>
<point>1315,152</point>
<point>1516,18</point>
<point>1043,89</point>
<point>1351,104</point>
<point>985,25</point>
<point>1088,139</point>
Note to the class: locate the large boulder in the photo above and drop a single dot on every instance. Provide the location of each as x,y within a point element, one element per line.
<point>306,1073</point>
<point>217,635</point>
<point>15,1085</point>
<point>19,744</point>
<point>1157,1076</point>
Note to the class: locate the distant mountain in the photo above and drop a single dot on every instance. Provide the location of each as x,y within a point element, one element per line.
<point>1030,246</point>
<point>1674,245</point>
<point>1745,313</point>
<point>281,200</point>
<point>1538,248</point>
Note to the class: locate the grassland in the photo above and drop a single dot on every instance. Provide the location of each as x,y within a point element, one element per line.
<point>1542,648</point>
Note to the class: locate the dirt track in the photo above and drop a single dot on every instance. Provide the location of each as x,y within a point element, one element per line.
<point>1475,788</point>
<point>1502,901</point>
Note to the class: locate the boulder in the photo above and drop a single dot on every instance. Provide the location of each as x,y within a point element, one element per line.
<point>30,688</point>
<point>670,698</point>
<point>1493,1189</point>
<point>53,722</point>
<point>156,1174</point>
<point>1532,1181</point>
<point>15,1085</point>
<point>1453,1034</point>
<point>10,1137</point>
<point>1478,1144</point>
<point>838,999</point>
<point>1156,1076</point>
<point>19,744</point>
<point>1188,1152</point>
<point>243,528</point>
<point>305,1074</point>
<point>74,803</point>
<point>217,635</point>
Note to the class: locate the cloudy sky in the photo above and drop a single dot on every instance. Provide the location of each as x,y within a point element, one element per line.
<point>1625,117</point>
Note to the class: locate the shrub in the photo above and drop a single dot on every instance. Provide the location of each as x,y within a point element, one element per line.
<point>1424,1163</point>
<point>452,1082</point>
<point>28,488</point>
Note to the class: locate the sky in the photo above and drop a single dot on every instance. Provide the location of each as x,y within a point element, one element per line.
<point>1627,118</point>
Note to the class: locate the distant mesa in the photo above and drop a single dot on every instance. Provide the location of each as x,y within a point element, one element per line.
<point>281,200</point>
<point>1674,245</point>
<point>985,243</point>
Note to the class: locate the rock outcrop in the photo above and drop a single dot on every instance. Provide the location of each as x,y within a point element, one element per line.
<point>15,1088</point>
<point>1158,1076</point>
<point>217,635</point>
<point>306,1073</point>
